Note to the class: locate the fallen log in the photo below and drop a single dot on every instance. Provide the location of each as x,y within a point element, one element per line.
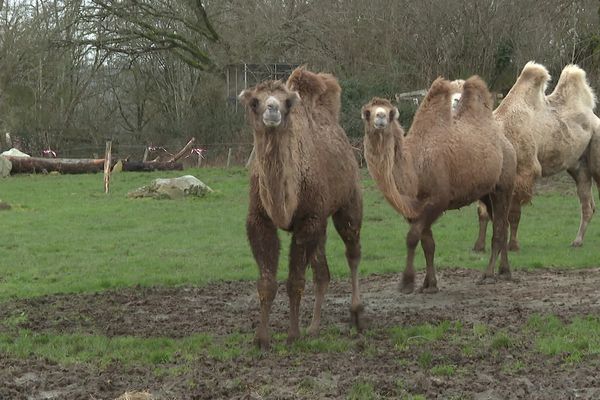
<point>30,165</point>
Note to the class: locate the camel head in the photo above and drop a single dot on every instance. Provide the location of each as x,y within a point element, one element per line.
<point>378,114</point>
<point>268,105</point>
<point>457,88</point>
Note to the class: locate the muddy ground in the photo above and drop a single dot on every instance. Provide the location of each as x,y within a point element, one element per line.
<point>225,308</point>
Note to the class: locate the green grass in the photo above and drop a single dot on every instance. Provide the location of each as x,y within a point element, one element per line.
<point>362,390</point>
<point>406,336</point>
<point>64,235</point>
<point>77,348</point>
<point>574,341</point>
<point>444,370</point>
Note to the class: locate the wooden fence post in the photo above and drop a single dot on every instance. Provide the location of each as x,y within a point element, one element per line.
<point>107,162</point>
<point>229,157</point>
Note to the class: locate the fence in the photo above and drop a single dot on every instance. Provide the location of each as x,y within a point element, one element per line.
<point>201,155</point>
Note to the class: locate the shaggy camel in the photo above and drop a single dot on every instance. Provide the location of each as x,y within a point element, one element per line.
<point>550,134</point>
<point>303,172</point>
<point>447,161</point>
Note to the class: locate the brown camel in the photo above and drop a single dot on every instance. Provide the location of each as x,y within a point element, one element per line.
<point>550,134</point>
<point>447,161</point>
<point>304,171</point>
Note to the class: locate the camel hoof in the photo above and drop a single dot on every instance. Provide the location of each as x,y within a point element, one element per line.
<point>291,339</point>
<point>577,243</point>
<point>479,248</point>
<point>487,280</point>
<point>313,331</point>
<point>505,276</point>
<point>429,289</point>
<point>356,319</point>
<point>407,287</point>
<point>263,344</point>
<point>513,246</point>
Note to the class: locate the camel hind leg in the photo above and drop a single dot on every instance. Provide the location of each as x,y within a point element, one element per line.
<point>583,180</point>
<point>500,207</point>
<point>321,280</point>
<point>348,222</point>
<point>484,218</point>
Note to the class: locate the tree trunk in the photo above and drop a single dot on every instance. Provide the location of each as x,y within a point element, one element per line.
<point>27,165</point>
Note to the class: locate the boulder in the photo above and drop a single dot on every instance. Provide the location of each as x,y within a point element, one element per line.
<point>5,167</point>
<point>14,153</point>
<point>172,188</point>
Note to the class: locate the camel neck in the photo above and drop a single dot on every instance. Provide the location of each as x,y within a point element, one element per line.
<point>278,169</point>
<point>392,169</point>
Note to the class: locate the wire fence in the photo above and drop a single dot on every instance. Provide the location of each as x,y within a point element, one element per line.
<point>200,155</point>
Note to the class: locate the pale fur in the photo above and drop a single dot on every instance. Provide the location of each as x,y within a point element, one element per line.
<point>551,134</point>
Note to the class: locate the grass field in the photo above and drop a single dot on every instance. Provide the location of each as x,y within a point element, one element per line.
<point>63,235</point>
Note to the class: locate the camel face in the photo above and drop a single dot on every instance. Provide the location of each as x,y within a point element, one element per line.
<point>378,115</point>
<point>268,104</point>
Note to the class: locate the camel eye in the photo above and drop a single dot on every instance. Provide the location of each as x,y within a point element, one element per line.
<point>392,112</point>
<point>367,114</point>
<point>288,103</point>
<point>254,103</point>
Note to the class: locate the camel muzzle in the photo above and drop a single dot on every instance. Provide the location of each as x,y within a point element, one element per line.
<point>272,118</point>
<point>380,123</point>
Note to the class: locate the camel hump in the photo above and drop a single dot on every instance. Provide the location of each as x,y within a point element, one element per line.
<point>440,88</point>
<point>435,109</point>
<point>476,98</point>
<point>573,86</point>
<point>321,90</point>
<point>535,73</point>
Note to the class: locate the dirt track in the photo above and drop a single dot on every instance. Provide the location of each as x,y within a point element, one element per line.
<point>226,308</point>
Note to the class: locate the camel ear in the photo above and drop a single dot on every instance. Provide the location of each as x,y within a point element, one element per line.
<point>292,100</point>
<point>365,114</point>
<point>394,114</point>
<point>244,96</point>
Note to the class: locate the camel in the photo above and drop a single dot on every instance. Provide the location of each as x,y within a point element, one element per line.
<point>303,172</point>
<point>447,161</point>
<point>550,134</point>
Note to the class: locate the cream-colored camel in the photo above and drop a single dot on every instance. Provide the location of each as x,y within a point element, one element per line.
<point>447,160</point>
<point>550,134</point>
<point>304,172</point>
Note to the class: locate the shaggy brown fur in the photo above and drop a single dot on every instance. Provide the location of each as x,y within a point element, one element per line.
<point>304,171</point>
<point>445,162</point>
<point>550,134</point>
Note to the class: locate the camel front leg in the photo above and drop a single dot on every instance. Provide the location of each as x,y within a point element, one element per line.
<point>412,239</point>
<point>514,217</point>
<point>305,240</point>
<point>428,245</point>
<point>264,242</point>
<point>583,179</point>
<point>321,280</point>
<point>484,218</point>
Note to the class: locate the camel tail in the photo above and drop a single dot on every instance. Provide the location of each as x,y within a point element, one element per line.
<point>436,108</point>
<point>322,89</point>
<point>476,99</point>
<point>572,86</point>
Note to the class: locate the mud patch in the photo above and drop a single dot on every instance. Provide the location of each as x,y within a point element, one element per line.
<point>438,369</point>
